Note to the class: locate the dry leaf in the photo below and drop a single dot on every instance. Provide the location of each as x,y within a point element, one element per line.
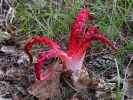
<point>8,49</point>
<point>7,33</point>
<point>47,88</point>
<point>2,19</point>
<point>4,36</point>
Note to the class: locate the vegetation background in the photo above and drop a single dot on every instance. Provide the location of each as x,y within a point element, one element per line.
<point>53,19</point>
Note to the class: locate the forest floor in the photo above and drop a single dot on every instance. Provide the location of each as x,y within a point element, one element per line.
<point>110,72</point>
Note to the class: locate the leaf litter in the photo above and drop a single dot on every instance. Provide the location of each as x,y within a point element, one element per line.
<point>17,83</point>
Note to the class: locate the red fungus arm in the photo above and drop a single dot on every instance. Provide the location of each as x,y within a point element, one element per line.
<point>91,31</point>
<point>78,29</point>
<point>42,40</point>
<point>104,40</point>
<point>45,57</point>
<point>101,38</point>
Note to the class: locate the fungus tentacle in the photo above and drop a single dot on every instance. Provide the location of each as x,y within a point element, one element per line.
<point>45,57</point>
<point>78,29</point>
<point>104,40</point>
<point>101,38</point>
<point>42,40</point>
<point>91,31</point>
<point>73,58</point>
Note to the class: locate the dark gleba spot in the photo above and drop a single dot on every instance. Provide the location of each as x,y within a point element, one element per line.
<point>48,42</point>
<point>45,59</point>
<point>77,39</point>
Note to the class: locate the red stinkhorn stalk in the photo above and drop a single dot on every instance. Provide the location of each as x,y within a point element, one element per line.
<point>73,58</point>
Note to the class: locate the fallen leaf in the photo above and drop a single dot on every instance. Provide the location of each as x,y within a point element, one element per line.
<point>47,88</point>
<point>4,35</point>
<point>2,19</point>
<point>8,49</point>
<point>22,90</point>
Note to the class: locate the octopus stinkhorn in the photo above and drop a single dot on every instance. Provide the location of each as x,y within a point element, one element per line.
<point>79,42</point>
